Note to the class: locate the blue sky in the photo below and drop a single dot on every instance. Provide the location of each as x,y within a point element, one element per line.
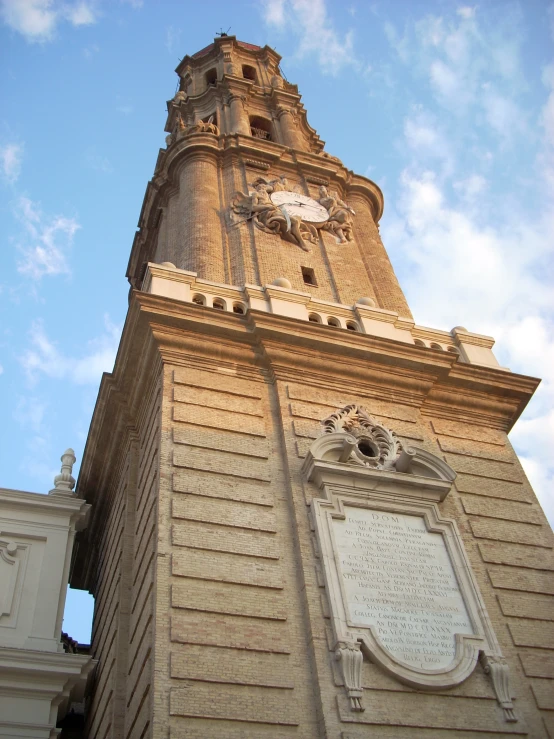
<point>448,106</point>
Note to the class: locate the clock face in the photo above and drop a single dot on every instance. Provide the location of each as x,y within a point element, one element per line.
<point>300,205</point>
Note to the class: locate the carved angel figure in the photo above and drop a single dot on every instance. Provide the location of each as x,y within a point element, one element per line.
<point>279,184</point>
<point>340,215</point>
<point>272,218</point>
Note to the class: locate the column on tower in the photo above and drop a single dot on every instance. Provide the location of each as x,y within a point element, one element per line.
<point>381,273</point>
<point>195,217</point>
<point>288,129</point>
<point>239,118</point>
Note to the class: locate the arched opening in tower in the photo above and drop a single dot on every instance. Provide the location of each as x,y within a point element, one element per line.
<point>211,77</point>
<point>260,128</point>
<point>248,72</point>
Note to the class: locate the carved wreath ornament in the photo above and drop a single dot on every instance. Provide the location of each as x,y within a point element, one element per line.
<point>376,446</point>
<point>297,218</point>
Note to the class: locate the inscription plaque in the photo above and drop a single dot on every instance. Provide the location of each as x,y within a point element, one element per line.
<point>398,578</point>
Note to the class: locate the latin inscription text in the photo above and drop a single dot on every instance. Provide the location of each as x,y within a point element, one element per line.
<point>398,578</point>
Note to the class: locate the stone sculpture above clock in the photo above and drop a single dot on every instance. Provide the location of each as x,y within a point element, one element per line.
<point>296,217</point>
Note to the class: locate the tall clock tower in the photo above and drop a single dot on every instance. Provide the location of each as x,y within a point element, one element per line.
<point>307,519</point>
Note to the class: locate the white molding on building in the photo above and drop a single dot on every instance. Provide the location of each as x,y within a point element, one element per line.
<point>38,680</point>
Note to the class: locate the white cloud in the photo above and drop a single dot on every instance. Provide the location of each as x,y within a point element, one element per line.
<point>29,413</point>
<point>494,278</point>
<point>546,120</point>
<point>37,20</point>
<point>426,138</point>
<point>44,357</point>
<point>80,14</point>
<point>172,38</point>
<point>309,20</point>
<point>470,66</point>
<point>466,12</point>
<point>467,269</point>
<point>10,159</point>
<point>471,186</point>
<point>274,12</point>
<point>503,115</point>
<point>399,44</point>
<point>45,242</point>
<point>445,80</point>
<point>99,163</point>
<point>90,51</point>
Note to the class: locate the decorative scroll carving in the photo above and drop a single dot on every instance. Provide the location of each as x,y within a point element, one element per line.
<point>340,215</point>
<point>271,218</point>
<point>7,551</point>
<point>351,661</point>
<point>497,668</point>
<point>374,446</point>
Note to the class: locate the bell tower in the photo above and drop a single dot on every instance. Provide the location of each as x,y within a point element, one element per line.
<point>236,127</point>
<point>307,519</point>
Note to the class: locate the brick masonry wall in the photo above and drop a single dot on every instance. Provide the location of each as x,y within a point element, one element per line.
<point>242,635</point>
<point>510,547</point>
<point>241,253</point>
<point>124,604</point>
<point>232,658</point>
<point>107,606</point>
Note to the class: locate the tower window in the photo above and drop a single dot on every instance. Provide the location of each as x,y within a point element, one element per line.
<point>352,326</point>
<point>199,299</point>
<point>260,128</point>
<point>248,72</point>
<point>334,322</point>
<point>238,308</point>
<point>308,275</point>
<point>211,77</point>
<point>219,304</point>
<point>314,318</point>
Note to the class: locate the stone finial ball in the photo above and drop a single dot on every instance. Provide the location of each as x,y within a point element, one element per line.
<point>170,265</point>
<point>282,282</point>
<point>460,328</point>
<point>367,301</point>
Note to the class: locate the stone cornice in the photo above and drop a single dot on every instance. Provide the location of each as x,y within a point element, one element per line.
<point>214,50</point>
